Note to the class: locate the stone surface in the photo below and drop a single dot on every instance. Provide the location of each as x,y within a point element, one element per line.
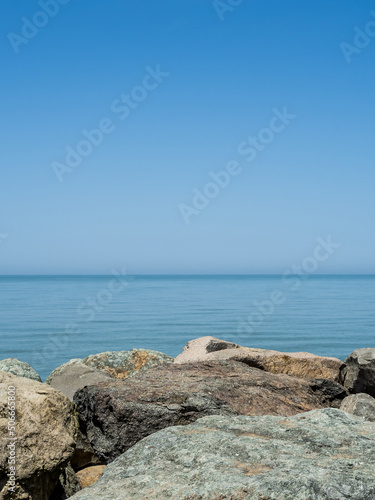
<point>19,368</point>
<point>332,393</point>
<point>70,377</point>
<point>358,374</point>
<point>298,364</point>
<point>124,364</point>
<point>117,414</point>
<point>361,405</point>
<point>90,475</point>
<point>84,455</point>
<point>324,454</point>
<point>62,369</point>
<point>68,485</point>
<point>46,429</point>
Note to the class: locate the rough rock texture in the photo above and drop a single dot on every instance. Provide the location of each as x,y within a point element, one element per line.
<point>361,405</point>
<point>324,454</point>
<point>70,377</point>
<point>46,428</point>
<point>90,475</point>
<point>68,485</point>
<point>298,364</point>
<point>19,368</point>
<point>124,364</point>
<point>332,393</point>
<point>358,374</point>
<point>117,414</point>
<point>84,454</point>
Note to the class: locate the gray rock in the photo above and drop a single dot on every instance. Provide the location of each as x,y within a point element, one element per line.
<point>323,454</point>
<point>72,376</point>
<point>331,392</point>
<point>67,486</point>
<point>19,368</point>
<point>361,405</point>
<point>117,414</point>
<point>84,454</point>
<point>125,364</point>
<point>62,369</point>
<point>358,374</point>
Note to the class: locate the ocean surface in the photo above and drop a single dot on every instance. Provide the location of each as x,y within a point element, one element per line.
<point>47,320</point>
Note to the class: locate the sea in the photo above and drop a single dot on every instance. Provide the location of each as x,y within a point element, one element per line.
<point>48,320</point>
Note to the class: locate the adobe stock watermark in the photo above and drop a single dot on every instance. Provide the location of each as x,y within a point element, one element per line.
<point>31,27</point>
<point>291,281</point>
<point>121,108</point>
<point>12,438</point>
<point>87,312</point>
<point>362,39</point>
<point>223,6</point>
<point>249,148</point>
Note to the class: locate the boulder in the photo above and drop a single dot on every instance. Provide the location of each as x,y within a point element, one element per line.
<point>298,364</point>
<point>19,368</point>
<point>117,414</point>
<point>46,426</point>
<point>358,373</point>
<point>361,405</point>
<point>124,364</point>
<point>90,475</point>
<point>320,454</point>
<point>70,377</point>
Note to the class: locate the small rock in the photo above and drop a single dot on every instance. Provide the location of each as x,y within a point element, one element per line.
<point>361,405</point>
<point>297,364</point>
<point>90,475</point>
<point>358,374</point>
<point>19,368</point>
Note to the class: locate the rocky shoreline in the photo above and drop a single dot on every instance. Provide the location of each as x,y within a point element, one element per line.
<point>219,422</point>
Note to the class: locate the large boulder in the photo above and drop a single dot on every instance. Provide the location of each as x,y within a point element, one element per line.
<point>19,368</point>
<point>298,364</point>
<point>358,373</point>
<point>70,377</point>
<point>45,426</point>
<point>361,405</point>
<point>117,414</point>
<point>124,364</point>
<point>320,454</point>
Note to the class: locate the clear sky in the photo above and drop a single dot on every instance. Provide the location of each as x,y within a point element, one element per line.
<point>182,88</point>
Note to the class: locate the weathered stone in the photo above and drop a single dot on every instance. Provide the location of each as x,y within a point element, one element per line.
<point>124,364</point>
<point>70,377</point>
<point>358,374</point>
<point>19,368</point>
<point>68,485</point>
<point>90,475</point>
<point>361,405</point>
<point>117,414</point>
<point>84,454</point>
<point>332,393</point>
<point>323,454</point>
<point>298,364</point>
<point>62,369</point>
<point>46,426</point>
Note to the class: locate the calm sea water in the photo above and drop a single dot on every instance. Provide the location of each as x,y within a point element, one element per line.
<point>46,321</point>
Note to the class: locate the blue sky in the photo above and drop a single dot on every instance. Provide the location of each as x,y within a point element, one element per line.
<point>225,70</point>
